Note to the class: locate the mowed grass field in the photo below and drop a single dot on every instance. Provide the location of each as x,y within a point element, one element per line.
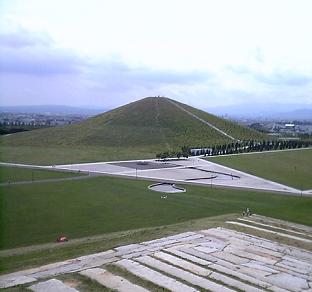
<point>48,155</point>
<point>292,168</point>
<point>39,213</point>
<point>16,174</point>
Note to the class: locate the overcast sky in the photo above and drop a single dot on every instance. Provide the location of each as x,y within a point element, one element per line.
<point>104,53</point>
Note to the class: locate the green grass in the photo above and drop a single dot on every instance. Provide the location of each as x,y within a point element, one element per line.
<point>22,258</point>
<point>141,129</point>
<point>34,214</point>
<point>292,168</point>
<point>15,174</point>
<point>235,130</point>
<point>42,155</point>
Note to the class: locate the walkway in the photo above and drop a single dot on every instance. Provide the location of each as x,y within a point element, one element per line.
<point>203,121</point>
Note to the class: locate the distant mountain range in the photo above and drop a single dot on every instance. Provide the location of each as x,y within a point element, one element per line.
<point>273,110</point>
<point>263,111</point>
<point>52,109</point>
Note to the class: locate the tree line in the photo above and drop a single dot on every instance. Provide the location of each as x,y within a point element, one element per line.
<point>244,146</point>
<point>250,146</point>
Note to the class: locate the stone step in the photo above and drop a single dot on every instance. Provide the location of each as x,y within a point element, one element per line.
<point>8,281</point>
<point>111,281</point>
<point>186,256</point>
<point>252,254</point>
<point>247,239</point>
<point>233,282</point>
<point>239,275</point>
<point>153,276</point>
<point>199,254</point>
<point>229,257</point>
<point>182,263</point>
<point>52,285</point>
<point>184,275</point>
<point>206,272</point>
<point>282,222</point>
<point>287,281</point>
<point>270,231</point>
<point>172,237</point>
<point>275,227</point>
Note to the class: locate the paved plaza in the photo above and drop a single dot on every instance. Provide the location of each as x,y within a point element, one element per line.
<point>215,259</point>
<point>193,170</point>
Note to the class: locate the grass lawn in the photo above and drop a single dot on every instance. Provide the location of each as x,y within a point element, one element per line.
<point>14,174</point>
<point>39,213</point>
<point>292,168</point>
<point>42,155</point>
<point>103,212</point>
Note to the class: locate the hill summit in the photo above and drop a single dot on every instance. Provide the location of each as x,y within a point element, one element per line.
<point>151,124</point>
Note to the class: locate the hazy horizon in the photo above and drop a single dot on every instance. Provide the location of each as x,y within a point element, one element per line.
<point>274,111</point>
<point>103,54</point>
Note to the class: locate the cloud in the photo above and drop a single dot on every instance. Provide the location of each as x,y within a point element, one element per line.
<point>115,74</point>
<point>33,68</point>
<point>286,78</point>
<point>21,38</point>
<point>23,52</point>
<point>276,77</point>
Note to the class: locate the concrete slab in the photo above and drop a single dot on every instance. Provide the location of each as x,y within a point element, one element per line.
<point>229,257</point>
<point>173,260</point>
<point>153,276</point>
<point>249,255</point>
<point>100,167</point>
<point>206,249</point>
<point>128,248</point>
<point>240,275</point>
<point>195,170</point>
<point>187,256</point>
<point>261,266</point>
<point>173,237</point>
<point>288,282</point>
<point>112,281</point>
<point>271,226</point>
<point>300,264</point>
<point>166,188</point>
<point>199,254</point>
<point>52,285</point>
<point>184,275</point>
<point>296,226</point>
<point>12,281</point>
<point>234,283</point>
<point>223,253</point>
<point>270,231</point>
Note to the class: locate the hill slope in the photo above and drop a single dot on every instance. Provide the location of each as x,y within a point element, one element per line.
<point>148,125</point>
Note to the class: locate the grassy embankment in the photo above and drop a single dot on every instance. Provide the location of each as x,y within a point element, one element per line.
<point>17,174</point>
<point>235,130</point>
<point>103,206</point>
<point>135,131</point>
<point>292,168</point>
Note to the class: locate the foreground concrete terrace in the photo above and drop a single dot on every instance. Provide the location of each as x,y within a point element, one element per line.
<point>216,259</point>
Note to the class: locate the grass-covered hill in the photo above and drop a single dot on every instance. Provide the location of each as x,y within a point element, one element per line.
<point>136,130</point>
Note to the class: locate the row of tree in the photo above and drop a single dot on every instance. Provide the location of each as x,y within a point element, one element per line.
<point>185,152</point>
<point>250,146</point>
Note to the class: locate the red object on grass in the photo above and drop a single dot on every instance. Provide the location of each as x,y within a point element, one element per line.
<point>62,238</point>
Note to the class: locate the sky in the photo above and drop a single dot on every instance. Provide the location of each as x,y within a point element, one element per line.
<point>105,53</point>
